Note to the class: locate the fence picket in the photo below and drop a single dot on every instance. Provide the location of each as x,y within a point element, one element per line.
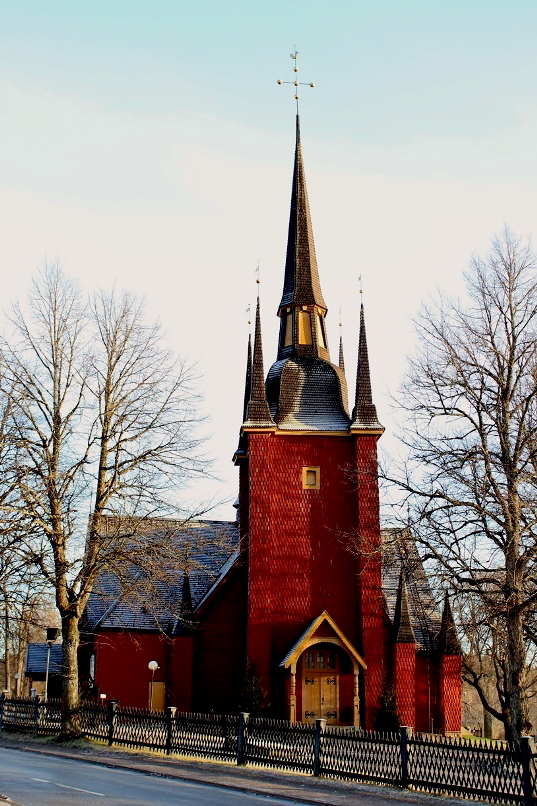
<point>320,725</point>
<point>242,738</point>
<point>404,756</point>
<point>525,752</point>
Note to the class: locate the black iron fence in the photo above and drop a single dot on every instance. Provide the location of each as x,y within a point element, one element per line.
<point>484,770</point>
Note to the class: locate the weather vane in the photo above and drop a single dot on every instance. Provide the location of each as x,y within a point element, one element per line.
<point>296,83</point>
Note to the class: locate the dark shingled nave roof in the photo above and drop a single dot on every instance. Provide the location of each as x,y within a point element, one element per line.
<point>160,604</point>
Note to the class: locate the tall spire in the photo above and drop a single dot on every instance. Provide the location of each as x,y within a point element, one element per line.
<point>301,284</point>
<point>257,410</point>
<point>248,380</point>
<point>302,307</point>
<point>364,414</point>
<point>403,632</point>
<point>240,453</point>
<point>341,357</point>
<point>448,640</point>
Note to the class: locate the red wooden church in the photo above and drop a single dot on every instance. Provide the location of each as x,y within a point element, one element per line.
<point>314,606</point>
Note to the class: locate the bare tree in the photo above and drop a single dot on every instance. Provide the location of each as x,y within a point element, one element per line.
<point>470,401</point>
<point>105,423</point>
<point>484,665</point>
<point>25,611</point>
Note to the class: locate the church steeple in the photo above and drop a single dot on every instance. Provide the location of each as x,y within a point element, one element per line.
<point>302,307</point>
<point>257,410</point>
<point>305,391</point>
<point>364,414</point>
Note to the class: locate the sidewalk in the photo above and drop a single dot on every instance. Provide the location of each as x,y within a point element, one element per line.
<point>294,786</point>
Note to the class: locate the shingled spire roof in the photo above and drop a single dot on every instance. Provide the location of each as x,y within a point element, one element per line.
<point>448,640</point>
<point>240,453</point>
<point>364,414</point>
<point>301,284</point>
<point>257,410</point>
<point>403,632</point>
<point>305,391</point>
<point>248,379</point>
<point>341,356</point>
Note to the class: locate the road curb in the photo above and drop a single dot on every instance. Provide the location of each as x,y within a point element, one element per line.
<point>5,799</point>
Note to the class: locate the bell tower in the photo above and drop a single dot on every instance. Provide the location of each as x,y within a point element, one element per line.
<point>308,505</point>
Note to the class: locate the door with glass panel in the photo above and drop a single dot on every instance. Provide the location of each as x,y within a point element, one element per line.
<point>320,685</point>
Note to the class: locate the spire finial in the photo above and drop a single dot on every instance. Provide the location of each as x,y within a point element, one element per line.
<point>258,277</point>
<point>296,83</point>
<point>360,286</point>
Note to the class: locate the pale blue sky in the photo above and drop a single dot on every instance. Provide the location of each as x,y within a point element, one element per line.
<point>147,143</point>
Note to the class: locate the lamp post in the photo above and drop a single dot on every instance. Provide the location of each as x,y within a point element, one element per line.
<point>152,666</point>
<point>52,634</point>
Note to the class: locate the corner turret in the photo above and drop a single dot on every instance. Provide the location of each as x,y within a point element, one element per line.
<point>364,414</point>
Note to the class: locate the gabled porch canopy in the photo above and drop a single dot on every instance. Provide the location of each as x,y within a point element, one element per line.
<point>308,638</point>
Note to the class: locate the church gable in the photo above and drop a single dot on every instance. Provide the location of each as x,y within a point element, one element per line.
<point>323,628</point>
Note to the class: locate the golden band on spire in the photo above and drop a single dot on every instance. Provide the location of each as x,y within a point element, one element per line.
<point>296,84</point>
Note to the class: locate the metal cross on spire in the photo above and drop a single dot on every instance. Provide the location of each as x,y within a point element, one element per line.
<point>258,277</point>
<point>296,83</point>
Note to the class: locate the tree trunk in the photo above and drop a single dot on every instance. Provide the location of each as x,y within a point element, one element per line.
<point>516,676</point>
<point>70,699</point>
<point>7,653</point>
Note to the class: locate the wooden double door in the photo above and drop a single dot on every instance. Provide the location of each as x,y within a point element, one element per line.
<point>320,683</point>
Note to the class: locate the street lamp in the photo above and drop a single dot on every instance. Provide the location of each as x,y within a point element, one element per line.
<point>152,666</point>
<point>52,634</point>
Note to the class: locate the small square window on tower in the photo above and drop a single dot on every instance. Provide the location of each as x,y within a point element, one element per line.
<point>311,478</point>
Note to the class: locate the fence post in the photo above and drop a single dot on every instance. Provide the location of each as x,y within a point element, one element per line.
<point>241,738</point>
<point>2,701</point>
<point>525,752</point>
<point>170,713</point>
<point>112,706</point>
<point>36,715</point>
<point>404,755</point>
<point>320,725</point>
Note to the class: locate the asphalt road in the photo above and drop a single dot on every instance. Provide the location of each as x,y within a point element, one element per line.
<point>33,780</point>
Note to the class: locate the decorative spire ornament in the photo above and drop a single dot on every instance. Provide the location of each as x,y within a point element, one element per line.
<point>296,83</point>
